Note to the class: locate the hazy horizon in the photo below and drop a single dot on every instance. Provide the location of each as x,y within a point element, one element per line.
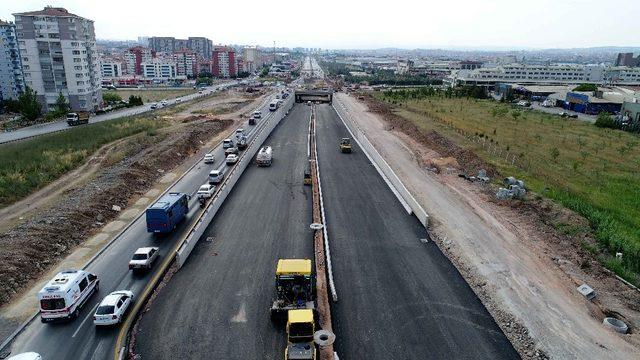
<point>454,25</point>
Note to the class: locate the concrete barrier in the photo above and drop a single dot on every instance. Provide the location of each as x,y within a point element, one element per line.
<point>227,185</point>
<point>404,196</point>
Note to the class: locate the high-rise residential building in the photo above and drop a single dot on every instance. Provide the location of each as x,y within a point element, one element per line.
<point>111,68</point>
<point>224,62</point>
<point>58,51</point>
<point>627,59</point>
<point>11,77</point>
<point>199,45</point>
<point>160,69</point>
<point>186,63</point>
<point>252,58</point>
<point>136,56</point>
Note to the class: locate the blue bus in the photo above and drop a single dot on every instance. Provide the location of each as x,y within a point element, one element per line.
<point>167,212</point>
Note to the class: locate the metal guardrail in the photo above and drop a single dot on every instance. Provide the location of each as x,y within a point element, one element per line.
<point>404,196</point>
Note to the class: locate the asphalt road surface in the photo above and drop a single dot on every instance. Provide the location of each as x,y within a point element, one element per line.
<point>42,129</point>
<point>79,339</point>
<point>398,297</point>
<point>217,305</point>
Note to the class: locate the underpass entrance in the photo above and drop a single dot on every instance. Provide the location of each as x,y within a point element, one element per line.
<point>314,95</point>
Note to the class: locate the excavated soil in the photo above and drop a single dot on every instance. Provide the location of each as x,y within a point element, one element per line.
<point>32,247</point>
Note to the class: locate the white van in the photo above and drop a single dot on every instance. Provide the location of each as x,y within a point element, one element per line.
<point>273,105</point>
<point>257,114</point>
<point>216,176</point>
<point>63,296</point>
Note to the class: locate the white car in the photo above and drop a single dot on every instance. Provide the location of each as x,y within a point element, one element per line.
<point>231,150</point>
<point>206,191</point>
<point>113,308</point>
<point>164,102</point>
<point>231,159</point>
<point>227,143</point>
<point>154,106</point>
<point>179,100</point>
<point>209,159</point>
<point>240,133</point>
<point>26,356</point>
<point>143,258</point>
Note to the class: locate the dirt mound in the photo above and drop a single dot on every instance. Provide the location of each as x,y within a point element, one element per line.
<point>469,162</point>
<point>34,246</point>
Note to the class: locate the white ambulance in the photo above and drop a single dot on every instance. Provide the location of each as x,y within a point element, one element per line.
<point>63,296</point>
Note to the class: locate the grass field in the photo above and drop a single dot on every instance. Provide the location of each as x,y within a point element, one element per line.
<point>152,95</point>
<point>593,171</point>
<point>26,166</point>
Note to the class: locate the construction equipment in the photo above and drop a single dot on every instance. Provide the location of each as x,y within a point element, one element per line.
<point>300,329</point>
<point>345,145</point>
<point>294,287</point>
<point>307,175</point>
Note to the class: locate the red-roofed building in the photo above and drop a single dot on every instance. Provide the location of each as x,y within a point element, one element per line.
<point>224,62</point>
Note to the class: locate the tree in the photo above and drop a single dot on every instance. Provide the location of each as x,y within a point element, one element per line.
<point>110,97</point>
<point>586,87</point>
<point>28,104</point>
<point>264,72</point>
<point>135,100</point>
<point>604,120</point>
<point>62,106</point>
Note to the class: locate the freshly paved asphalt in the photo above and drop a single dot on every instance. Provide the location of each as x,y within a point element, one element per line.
<point>79,339</point>
<point>217,305</point>
<point>398,297</point>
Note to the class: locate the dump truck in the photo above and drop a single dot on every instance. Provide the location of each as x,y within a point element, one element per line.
<point>294,287</point>
<point>345,145</point>
<point>300,330</point>
<point>78,118</point>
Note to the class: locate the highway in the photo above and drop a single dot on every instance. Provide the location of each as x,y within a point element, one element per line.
<point>217,305</point>
<point>399,298</point>
<point>79,339</point>
<point>41,129</point>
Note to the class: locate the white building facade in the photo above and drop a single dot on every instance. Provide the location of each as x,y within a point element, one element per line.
<point>58,51</point>
<point>160,69</point>
<point>11,77</point>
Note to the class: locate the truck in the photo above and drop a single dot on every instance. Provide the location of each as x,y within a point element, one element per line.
<point>274,104</point>
<point>78,118</point>
<point>165,214</point>
<point>300,330</point>
<point>265,156</point>
<point>345,145</point>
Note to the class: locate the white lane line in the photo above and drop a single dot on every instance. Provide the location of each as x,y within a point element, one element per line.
<point>85,320</point>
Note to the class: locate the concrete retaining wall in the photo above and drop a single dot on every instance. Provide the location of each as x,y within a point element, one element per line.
<point>396,185</point>
<point>227,185</point>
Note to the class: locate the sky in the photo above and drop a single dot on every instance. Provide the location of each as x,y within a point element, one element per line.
<point>348,24</point>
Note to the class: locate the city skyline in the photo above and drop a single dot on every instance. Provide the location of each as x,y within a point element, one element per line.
<point>458,24</point>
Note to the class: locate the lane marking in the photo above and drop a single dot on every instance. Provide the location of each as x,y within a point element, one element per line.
<point>85,320</point>
<point>241,316</point>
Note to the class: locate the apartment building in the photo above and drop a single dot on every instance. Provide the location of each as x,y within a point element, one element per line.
<point>252,58</point>
<point>58,51</point>
<point>224,62</point>
<point>199,45</point>
<point>11,77</point>
<point>136,56</point>
<point>159,69</point>
<point>186,63</point>
<point>112,68</point>
<point>547,74</point>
